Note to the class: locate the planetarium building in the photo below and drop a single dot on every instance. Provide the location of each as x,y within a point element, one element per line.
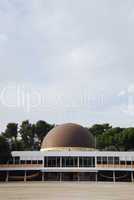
<point>68,154</point>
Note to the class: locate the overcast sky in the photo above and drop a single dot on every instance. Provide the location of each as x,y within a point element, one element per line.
<point>67,61</point>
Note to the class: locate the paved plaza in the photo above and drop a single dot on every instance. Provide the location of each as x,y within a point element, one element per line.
<point>66,191</point>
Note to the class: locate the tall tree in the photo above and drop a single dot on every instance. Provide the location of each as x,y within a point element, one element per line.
<point>27,132</point>
<point>4,150</point>
<point>128,139</point>
<point>98,129</point>
<point>110,139</point>
<point>41,129</point>
<point>17,145</point>
<point>11,131</point>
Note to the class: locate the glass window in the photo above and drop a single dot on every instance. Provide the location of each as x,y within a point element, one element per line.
<point>45,162</point>
<point>22,161</point>
<point>93,161</point>
<point>17,159</point>
<point>63,162</point>
<point>11,161</point>
<point>87,161</point>
<point>58,161</point>
<point>116,160</point>
<point>52,161</point>
<point>122,162</point>
<point>98,160</point>
<point>34,161</point>
<point>104,160</point>
<point>110,160</point>
<point>81,161</point>
<point>69,161</point>
<point>28,161</point>
<point>39,161</point>
<point>128,162</point>
<point>85,164</point>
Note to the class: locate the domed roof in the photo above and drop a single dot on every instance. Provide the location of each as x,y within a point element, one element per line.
<point>68,135</point>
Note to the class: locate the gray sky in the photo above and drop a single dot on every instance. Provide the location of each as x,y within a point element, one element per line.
<point>67,61</point>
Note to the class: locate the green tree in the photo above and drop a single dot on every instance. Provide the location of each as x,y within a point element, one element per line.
<point>17,145</point>
<point>11,131</point>
<point>99,129</point>
<point>4,150</point>
<point>27,132</point>
<point>128,139</point>
<point>41,129</point>
<point>110,139</point>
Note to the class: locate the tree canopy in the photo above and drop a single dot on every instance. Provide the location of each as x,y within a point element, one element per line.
<point>4,150</point>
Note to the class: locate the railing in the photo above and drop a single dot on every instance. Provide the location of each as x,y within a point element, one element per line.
<point>40,165</point>
<point>20,165</point>
<point>114,166</point>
